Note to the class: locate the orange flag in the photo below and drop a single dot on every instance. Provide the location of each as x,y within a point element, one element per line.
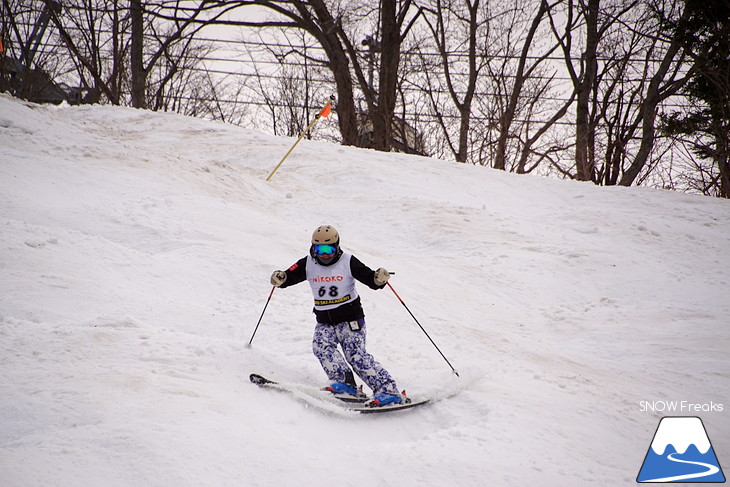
<point>326,110</point>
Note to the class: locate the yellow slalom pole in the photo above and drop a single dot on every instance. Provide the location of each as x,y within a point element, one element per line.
<point>323,113</point>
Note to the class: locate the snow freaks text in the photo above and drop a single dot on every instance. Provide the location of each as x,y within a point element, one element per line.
<point>680,407</point>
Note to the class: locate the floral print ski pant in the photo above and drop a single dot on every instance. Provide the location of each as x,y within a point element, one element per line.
<point>324,345</point>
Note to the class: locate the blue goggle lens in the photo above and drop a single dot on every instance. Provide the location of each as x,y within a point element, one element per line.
<point>325,249</point>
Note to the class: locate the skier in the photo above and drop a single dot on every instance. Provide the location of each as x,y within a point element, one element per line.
<point>340,319</point>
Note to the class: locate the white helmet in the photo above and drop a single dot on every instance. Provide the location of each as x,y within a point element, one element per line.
<point>325,245</point>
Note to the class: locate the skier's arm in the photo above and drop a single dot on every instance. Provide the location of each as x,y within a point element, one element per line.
<point>366,275</point>
<point>293,275</point>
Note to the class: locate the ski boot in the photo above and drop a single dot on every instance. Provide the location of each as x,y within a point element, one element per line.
<point>347,391</point>
<point>384,399</point>
<point>341,388</point>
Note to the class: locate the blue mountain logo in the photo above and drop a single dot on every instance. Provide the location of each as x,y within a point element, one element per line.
<point>681,452</point>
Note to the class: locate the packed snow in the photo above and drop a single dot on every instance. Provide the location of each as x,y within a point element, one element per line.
<point>136,249</point>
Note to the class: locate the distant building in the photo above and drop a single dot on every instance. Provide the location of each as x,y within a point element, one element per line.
<point>35,84</point>
<point>405,138</point>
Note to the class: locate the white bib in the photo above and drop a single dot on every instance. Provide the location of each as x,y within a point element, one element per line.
<point>332,285</point>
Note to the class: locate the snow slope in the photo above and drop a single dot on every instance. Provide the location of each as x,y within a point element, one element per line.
<point>135,254</point>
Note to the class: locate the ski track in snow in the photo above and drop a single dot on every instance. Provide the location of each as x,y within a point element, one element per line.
<point>136,250</point>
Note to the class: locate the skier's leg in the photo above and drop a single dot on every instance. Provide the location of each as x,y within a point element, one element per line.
<point>370,371</point>
<point>324,346</point>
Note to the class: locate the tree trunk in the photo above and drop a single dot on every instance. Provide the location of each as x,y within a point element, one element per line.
<point>138,74</point>
<point>346,109</point>
<point>584,136</point>
<point>723,163</point>
<point>465,107</point>
<point>388,82</point>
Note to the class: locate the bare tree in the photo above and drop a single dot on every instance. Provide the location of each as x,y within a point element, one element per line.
<point>492,78</point>
<point>183,25</point>
<point>331,25</point>
<point>526,86</point>
<point>81,30</point>
<point>670,76</point>
<point>290,93</point>
<point>95,35</point>
<point>446,21</point>
<point>584,75</point>
<point>615,107</point>
<point>25,70</point>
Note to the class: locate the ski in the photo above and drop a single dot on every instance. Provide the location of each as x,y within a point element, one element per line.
<point>356,403</point>
<point>260,380</point>
<point>406,404</point>
<point>359,398</point>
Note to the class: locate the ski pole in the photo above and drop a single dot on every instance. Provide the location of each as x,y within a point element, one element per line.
<point>422,329</point>
<point>323,113</point>
<point>262,315</point>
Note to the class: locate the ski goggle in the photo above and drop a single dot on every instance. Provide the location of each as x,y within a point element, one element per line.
<point>323,249</point>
